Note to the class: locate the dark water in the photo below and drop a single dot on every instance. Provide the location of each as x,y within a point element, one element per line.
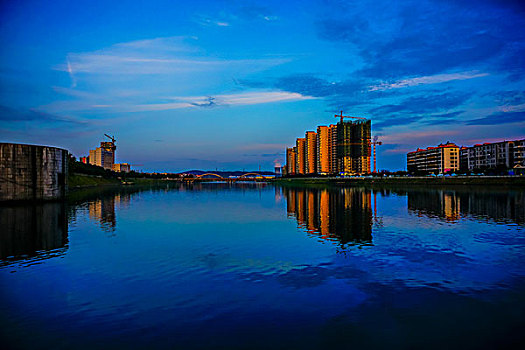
<point>254,266</point>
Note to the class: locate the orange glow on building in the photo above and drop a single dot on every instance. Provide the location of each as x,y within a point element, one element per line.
<point>300,166</point>
<point>310,152</point>
<point>342,149</point>
<point>291,160</point>
<point>332,134</point>
<point>323,150</point>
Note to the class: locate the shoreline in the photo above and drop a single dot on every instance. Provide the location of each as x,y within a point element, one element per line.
<point>510,181</point>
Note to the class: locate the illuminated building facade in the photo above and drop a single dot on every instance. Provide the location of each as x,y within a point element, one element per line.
<point>323,150</point>
<point>291,160</point>
<point>336,149</point>
<point>435,160</point>
<point>122,167</point>
<point>103,156</point>
<point>332,134</point>
<point>300,161</point>
<point>310,152</point>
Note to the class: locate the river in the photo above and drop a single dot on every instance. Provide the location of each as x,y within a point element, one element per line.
<point>259,266</point>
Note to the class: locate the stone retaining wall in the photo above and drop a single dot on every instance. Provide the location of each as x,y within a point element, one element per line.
<point>30,172</point>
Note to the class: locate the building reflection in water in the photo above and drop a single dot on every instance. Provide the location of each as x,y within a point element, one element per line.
<point>342,214</point>
<point>33,230</point>
<point>103,210</point>
<point>452,205</point>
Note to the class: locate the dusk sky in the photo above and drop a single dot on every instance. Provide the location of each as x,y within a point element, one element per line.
<point>231,84</point>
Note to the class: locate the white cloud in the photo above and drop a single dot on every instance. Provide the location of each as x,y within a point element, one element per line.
<point>93,102</point>
<point>71,75</point>
<point>138,76</point>
<point>169,55</point>
<point>430,79</point>
<point>247,98</point>
<point>513,108</point>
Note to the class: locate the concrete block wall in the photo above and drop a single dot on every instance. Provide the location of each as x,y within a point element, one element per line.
<point>30,172</point>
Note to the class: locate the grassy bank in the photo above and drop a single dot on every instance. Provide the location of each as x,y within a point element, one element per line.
<point>511,181</point>
<point>78,181</point>
<point>82,180</point>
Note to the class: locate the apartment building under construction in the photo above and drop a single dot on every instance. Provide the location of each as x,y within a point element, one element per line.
<point>103,156</point>
<point>353,147</point>
<point>342,149</point>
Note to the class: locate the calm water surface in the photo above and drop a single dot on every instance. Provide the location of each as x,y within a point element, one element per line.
<point>255,266</point>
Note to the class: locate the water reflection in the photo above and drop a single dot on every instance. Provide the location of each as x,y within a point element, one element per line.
<point>32,230</point>
<point>344,214</point>
<point>452,205</point>
<point>103,210</point>
<point>174,244</point>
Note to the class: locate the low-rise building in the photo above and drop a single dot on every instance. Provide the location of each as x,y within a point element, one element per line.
<point>441,159</point>
<point>501,155</point>
<point>122,167</point>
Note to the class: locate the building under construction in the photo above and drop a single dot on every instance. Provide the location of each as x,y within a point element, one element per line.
<point>341,149</point>
<point>104,156</point>
<point>353,147</point>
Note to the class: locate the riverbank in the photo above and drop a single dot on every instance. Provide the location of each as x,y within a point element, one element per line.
<point>510,181</point>
<point>80,181</point>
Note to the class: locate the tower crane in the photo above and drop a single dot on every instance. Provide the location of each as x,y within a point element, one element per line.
<point>347,116</point>
<point>112,138</point>
<point>110,146</point>
<point>374,143</point>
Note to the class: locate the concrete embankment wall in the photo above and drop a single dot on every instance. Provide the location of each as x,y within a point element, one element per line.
<point>30,172</point>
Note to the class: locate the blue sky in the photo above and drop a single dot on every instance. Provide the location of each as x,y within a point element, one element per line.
<point>230,84</point>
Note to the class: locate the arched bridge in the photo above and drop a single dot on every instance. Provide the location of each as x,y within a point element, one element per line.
<point>244,177</point>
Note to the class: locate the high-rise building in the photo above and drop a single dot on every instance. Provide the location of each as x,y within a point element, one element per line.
<point>103,156</point>
<point>300,161</point>
<point>437,160</point>
<point>291,160</point>
<point>343,148</point>
<point>353,146</point>
<point>323,150</point>
<point>332,133</point>
<point>310,152</point>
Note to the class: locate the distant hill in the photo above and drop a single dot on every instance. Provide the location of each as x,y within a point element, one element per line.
<point>226,173</point>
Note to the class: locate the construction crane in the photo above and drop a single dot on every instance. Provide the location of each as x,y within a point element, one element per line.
<point>112,138</point>
<point>347,116</point>
<point>374,143</point>
<point>109,146</point>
